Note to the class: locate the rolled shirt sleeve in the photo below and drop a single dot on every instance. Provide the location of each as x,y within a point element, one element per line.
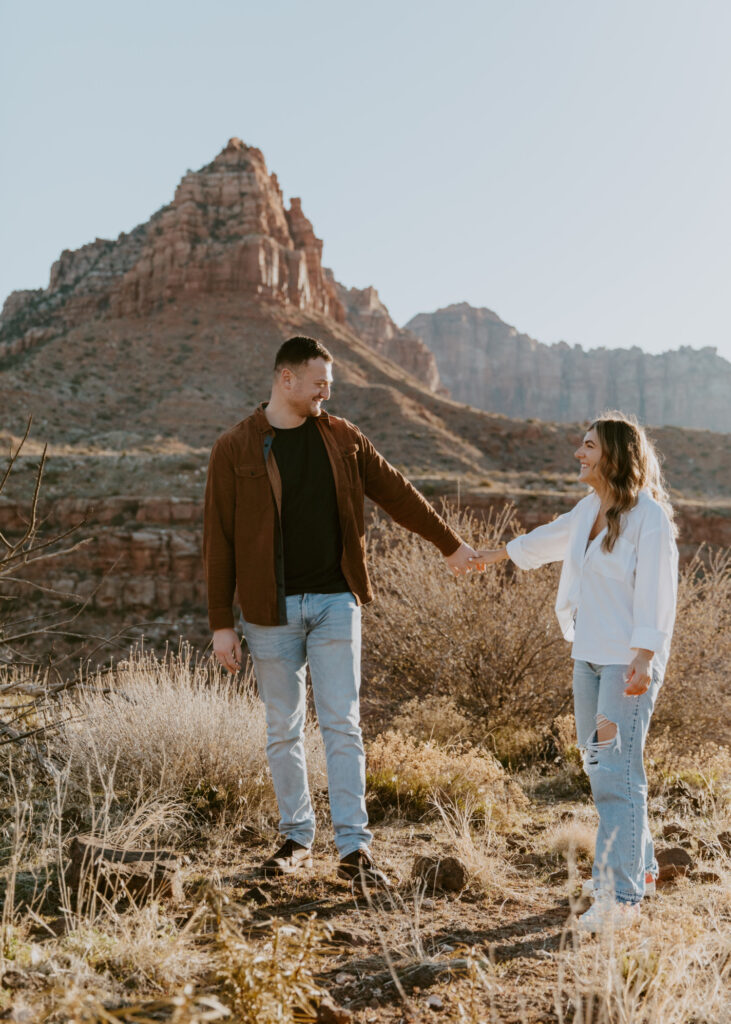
<point>547,543</point>
<point>656,587</point>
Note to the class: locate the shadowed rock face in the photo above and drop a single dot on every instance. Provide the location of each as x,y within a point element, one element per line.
<point>371,321</point>
<point>487,363</point>
<point>226,231</point>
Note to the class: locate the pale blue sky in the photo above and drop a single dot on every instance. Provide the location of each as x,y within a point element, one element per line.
<point>563,162</point>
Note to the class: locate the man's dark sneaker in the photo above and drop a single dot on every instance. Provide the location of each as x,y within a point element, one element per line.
<point>289,858</point>
<point>358,867</point>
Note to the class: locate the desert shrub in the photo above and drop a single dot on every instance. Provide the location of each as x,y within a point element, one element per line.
<point>175,728</point>
<point>413,776</point>
<point>434,718</point>
<point>279,987</point>
<point>488,641</point>
<point>695,697</point>
<point>490,644</point>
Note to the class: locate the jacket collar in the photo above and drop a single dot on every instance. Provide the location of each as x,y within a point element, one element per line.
<point>265,426</point>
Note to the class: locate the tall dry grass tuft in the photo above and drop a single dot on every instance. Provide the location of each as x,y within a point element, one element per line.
<point>409,775</point>
<point>175,729</point>
<point>672,969</point>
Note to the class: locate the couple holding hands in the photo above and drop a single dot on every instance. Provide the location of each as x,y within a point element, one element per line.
<point>284,531</point>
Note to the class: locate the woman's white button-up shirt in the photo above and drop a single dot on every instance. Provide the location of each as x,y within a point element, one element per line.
<point>610,602</point>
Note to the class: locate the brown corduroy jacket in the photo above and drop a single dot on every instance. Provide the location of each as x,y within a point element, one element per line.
<point>242,546</point>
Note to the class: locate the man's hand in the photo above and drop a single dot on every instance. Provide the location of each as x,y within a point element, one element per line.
<point>227,648</point>
<point>459,562</point>
<point>639,674</point>
<point>480,559</point>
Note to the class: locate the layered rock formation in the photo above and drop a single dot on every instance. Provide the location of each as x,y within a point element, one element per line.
<point>489,364</point>
<point>226,231</point>
<point>371,321</point>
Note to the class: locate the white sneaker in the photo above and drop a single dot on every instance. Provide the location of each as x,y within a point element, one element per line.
<point>608,915</point>
<point>588,888</point>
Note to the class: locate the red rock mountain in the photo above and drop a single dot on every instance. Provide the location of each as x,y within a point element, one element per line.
<point>490,365</point>
<point>226,231</point>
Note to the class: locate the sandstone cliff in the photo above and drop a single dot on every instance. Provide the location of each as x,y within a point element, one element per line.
<point>489,364</point>
<point>225,232</point>
<point>371,321</point>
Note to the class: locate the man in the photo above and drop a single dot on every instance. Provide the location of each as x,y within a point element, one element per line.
<point>284,527</point>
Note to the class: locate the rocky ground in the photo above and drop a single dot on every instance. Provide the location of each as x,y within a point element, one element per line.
<point>500,948</point>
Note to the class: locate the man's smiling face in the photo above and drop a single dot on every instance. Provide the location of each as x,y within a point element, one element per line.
<point>309,386</point>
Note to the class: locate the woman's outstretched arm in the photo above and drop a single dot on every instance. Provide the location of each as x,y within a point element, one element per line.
<point>547,543</point>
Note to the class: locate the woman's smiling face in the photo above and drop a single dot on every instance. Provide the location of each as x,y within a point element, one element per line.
<point>589,454</point>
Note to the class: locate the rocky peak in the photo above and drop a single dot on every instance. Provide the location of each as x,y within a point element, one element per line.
<point>225,231</point>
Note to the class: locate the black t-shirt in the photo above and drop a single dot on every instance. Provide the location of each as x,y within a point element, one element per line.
<point>313,545</point>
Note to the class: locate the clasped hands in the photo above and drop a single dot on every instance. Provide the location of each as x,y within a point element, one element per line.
<point>465,559</point>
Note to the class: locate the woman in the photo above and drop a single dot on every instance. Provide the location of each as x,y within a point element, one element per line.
<point>616,602</point>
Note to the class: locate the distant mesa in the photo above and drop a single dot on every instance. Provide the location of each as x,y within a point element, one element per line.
<point>488,364</point>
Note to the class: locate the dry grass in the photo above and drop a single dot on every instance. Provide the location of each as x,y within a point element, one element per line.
<point>409,775</point>
<point>175,729</point>
<point>695,698</point>
<point>168,752</point>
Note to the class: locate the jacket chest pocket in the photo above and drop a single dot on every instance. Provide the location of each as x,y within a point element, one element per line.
<point>251,481</point>
<point>349,456</point>
<point>619,563</point>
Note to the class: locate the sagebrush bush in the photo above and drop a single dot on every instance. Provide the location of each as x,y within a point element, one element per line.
<point>490,641</point>
<point>178,729</point>
<point>695,697</point>
<point>413,776</point>
<point>490,644</point>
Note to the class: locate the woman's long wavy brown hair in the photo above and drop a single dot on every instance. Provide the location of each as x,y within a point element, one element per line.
<point>629,464</point>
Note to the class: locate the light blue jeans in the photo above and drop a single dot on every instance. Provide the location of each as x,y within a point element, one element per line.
<point>624,849</point>
<point>322,630</point>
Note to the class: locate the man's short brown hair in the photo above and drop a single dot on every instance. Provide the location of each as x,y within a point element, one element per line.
<point>299,350</point>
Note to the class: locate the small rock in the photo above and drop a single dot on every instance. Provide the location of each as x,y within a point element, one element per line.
<point>328,1012</point>
<point>435,1003</point>
<point>343,978</point>
<point>705,876</point>
<point>674,863</point>
<point>724,839</point>
<point>96,868</point>
<point>447,873</point>
<point>14,979</point>
<point>348,938</point>
<point>675,831</point>
<point>257,895</point>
